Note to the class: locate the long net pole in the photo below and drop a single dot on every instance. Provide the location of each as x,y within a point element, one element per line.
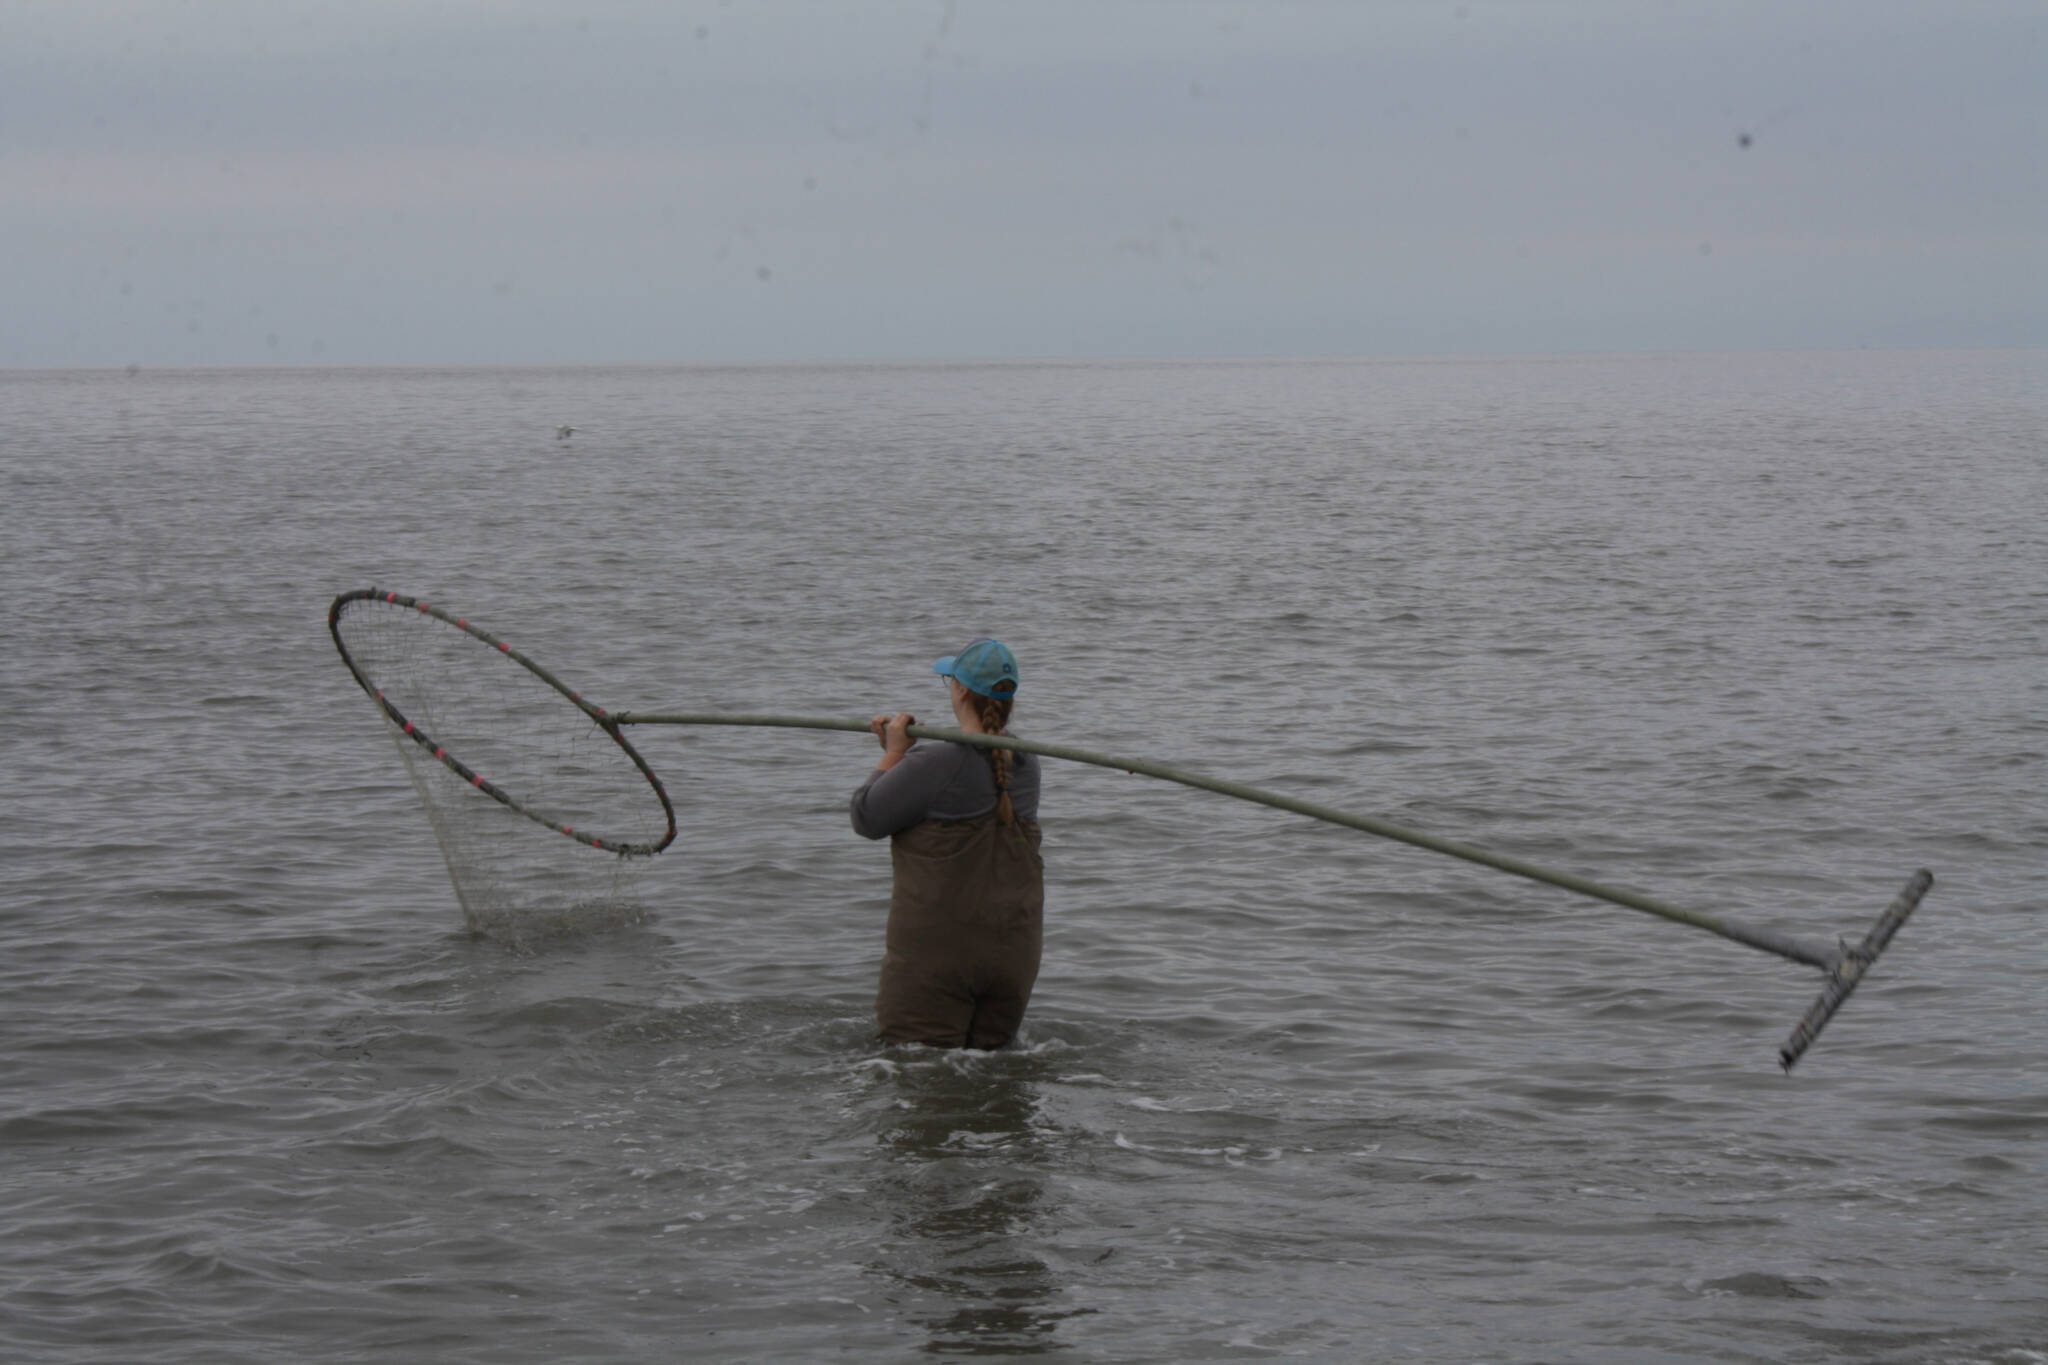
<point>1827,957</point>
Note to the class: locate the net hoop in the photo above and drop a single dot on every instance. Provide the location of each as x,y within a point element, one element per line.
<point>469,775</point>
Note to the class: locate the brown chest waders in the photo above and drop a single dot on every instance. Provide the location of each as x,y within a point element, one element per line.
<point>966,920</point>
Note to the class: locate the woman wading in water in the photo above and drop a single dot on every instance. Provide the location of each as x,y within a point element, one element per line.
<point>967,907</point>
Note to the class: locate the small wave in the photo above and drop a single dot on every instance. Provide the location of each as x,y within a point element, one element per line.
<point>1763,1285</point>
<point>1230,1155</point>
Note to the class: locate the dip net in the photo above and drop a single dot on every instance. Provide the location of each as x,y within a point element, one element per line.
<point>545,814</point>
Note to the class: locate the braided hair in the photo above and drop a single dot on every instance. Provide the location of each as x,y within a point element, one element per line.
<point>994,713</point>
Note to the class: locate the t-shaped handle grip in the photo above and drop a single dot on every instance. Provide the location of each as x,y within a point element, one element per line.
<point>1850,967</point>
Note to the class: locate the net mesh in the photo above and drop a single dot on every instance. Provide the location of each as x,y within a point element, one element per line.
<point>518,876</point>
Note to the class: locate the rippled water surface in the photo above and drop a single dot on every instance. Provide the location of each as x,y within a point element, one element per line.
<point>1755,634</point>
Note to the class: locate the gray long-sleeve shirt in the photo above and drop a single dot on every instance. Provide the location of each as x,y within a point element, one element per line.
<point>939,781</point>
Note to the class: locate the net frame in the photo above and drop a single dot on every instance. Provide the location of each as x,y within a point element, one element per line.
<point>418,734</point>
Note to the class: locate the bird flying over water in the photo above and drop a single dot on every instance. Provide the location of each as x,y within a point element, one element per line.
<point>564,433</point>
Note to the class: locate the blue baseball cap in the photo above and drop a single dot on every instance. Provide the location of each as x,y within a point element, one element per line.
<point>985,667</point>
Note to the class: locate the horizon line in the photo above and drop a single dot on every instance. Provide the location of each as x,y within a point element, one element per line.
<point>1019,362</point>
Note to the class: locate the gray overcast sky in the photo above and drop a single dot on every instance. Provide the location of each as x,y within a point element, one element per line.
<point>485,181</point>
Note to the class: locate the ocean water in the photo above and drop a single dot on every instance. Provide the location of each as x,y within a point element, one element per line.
<point>1758,634</point>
